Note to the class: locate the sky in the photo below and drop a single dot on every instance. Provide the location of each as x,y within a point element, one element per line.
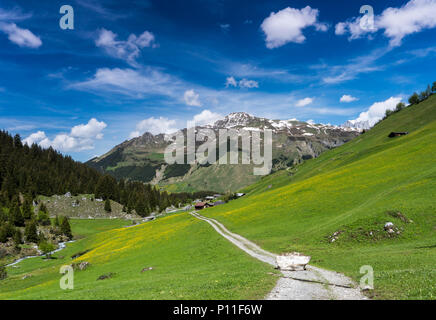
<point>128,67</point>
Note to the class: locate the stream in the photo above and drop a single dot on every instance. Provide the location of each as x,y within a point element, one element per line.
<point>62,245</point>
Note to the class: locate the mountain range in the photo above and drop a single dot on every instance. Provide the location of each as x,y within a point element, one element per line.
<point>142,158</point>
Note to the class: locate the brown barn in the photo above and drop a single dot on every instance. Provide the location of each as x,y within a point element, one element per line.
<point>200,205</point>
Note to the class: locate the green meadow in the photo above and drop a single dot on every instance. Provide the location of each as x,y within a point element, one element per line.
<point>354,190</point>
<point>189,260</point>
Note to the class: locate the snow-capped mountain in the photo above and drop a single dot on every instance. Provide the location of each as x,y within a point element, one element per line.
<point>359,125</point>
<point>142,158</point>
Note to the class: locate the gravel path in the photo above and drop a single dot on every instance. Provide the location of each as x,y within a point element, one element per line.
<point>311,284</point>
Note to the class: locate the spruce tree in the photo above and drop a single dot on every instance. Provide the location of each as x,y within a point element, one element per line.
<point>16,216</point>
<point>27,209</point>
<point>56,221</point>
<point>66,228</point>
<point>18,237</point>
<point>31,232</point>
<point>107,206</point>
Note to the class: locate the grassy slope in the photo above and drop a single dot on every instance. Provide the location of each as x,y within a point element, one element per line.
<point>350,189</point>
<point>190,261</point>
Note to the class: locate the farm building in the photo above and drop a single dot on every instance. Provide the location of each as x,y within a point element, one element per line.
<point>397,134</point>
<point>202,205</point>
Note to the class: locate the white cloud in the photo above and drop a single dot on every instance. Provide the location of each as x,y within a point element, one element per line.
<point>287,26</point>
<point>132,83</point>
<point>36,137</point>
<point>354,67</point>
<point>243,83</point>
<point>126,50</point>
<point>413,17</point>
<point>80,138</point>
<point>347,98</point>
<point>377,111</point>
<point>19,36</point>
<point>304,102</point>
<point>206,117</point>
<point>154,126</point>
<point>356,27</point>
<point>191,98</point>
<point>90,130</point>
<point>397,23</point>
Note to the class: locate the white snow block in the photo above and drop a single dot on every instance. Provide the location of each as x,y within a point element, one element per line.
<point>292,261</point>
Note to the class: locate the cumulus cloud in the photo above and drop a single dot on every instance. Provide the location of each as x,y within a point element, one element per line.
<point>304,102</point>
<point>154,126</point>
<point>36,137</point>
<point>377,111</point>
<point>287,26</point>
<point>19,36</point>
<point>80,138</point>
<point>397,23</point>
<point>191,98</point>
<point>347,98</point>
<point>206,117</point>
<point>243,83</point>
<point>128,50</point>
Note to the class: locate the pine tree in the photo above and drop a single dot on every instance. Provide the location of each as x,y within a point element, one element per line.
<point>56,221</point>
<point>31,232</point>
<point>16,216</point>
<point>66,228</point>
<point>18,236</point>
<point>107,206</point>
<point>27,209</point>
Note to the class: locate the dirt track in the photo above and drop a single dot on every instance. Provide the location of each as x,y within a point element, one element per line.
<point>311,284</point>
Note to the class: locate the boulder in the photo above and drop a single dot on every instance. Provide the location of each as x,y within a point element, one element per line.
<point>292,261</point>
<point>389,226</point>
<point>105,276</point>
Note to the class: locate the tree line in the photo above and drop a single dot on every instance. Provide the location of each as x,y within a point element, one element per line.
<point>415,98</point>
<point>32,170</point>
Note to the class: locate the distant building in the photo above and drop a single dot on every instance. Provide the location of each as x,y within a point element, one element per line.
<point>217,203</point>
<point>397,134</point>
<point>240,195</point>
<point>200,205</point>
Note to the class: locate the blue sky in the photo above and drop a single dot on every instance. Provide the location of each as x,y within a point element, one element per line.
<point>135,66</point>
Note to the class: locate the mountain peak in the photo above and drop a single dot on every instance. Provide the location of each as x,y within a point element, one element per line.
<point>235,119</point>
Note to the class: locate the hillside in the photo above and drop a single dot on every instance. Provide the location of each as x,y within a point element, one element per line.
<point>335,207</point>
<point>142,158</point>
<point>188,260</point>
